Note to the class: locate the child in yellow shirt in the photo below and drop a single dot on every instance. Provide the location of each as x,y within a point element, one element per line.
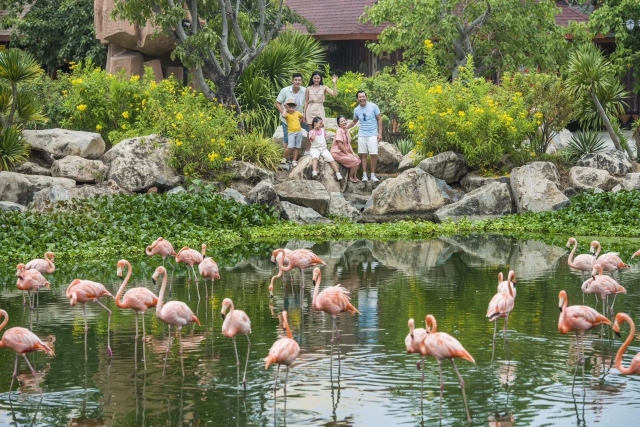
<point>294,137</point>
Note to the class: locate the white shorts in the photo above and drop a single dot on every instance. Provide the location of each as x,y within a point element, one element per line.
<point>368,145</point>
<point>326,154</point>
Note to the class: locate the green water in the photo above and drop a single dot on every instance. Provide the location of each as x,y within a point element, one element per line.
<point>368,381</point>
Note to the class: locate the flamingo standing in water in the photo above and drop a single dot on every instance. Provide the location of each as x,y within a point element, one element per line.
<point>22,341</point>
<point>161,247</point>
<point>190,257</point>
<point>603,285</point>
<point>45,266</point>
<point>173,313</point>
<point>283,352</point>
<point>30,281</point>
<point>443,346</point>
<point>609,261</point>
<point>412,343</point>
<point>500,307</point>
<point>300,258</point>
<point>137,299</point>
<point>634,368</point>
<point>508,285</point>
<point>236,322</point>
<point>582,262</point>
<point>208,269</point>
<point>84,291</point>
<point>332,300</point>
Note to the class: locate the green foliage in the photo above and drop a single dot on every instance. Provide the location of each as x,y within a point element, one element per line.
<point>13,150</point>
<point>405,145</point>
<point>256,149</point>
<point>49,93</point>
<point>124,225</point>
<point>585,142</point>
<point>344,103</point>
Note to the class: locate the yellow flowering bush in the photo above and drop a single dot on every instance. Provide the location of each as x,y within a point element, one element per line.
<point>348,85</point>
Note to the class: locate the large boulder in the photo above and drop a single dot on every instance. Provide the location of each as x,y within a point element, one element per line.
<point>533,191</point>
<point>49,196</point>
<point>340,207</point>
<point>264,193</point>
<point>31,168</point>
<point>10,206</point>
<point>450,195</point>
<point>489,201</point>
<point>63,142</point>
<point>302,215</point>
<point>584,179</point>
<point>614,161</point>
<point>325,176</point>
<point>389,158</point>
<point>412,194</point>
<point>104,188</point>
<point>407,161</point>
<point>631,181</point>
<point>18,188</point>
<point>230,193</point>
<point>137,164</point>
<point>79,169</point>
<point>245,175</point>
<point>308,194</point>
<point>448,166</point>
<point>474,180</point>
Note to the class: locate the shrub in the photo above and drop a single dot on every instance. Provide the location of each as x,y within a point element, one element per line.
<point>13,150</point>
<point>256,149</point>
<point>585,142</point>
<point>405,145</point>
<point>344,103</point>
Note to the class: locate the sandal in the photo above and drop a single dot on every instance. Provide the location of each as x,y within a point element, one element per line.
<point>354,180</point>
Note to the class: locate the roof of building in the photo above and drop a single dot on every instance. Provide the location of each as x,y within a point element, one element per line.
<point>5,34</point>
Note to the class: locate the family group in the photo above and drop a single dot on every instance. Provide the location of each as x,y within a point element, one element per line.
<point>303,108</point>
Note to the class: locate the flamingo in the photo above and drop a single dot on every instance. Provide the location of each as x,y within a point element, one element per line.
<point>137,299</point>
<point>283,352</point>
<point>443,346</point>
<point>609,261</point>
<point>634,368</point>
<point>412,343</point>
<point>300,258</point>
<point>45,266</point>
<point>602,285</point>
<point>500,307</point>
<point>208,269</point>
<point>161,247</point>
<point>582,262</point>
<point>30,281</point>
<point>22,341</point>
<point>236,322</point>
<point>332,300</point>
<point>84,291</point>
<point>190,257</point>
<point>173,313</point>
<point>503,285</point>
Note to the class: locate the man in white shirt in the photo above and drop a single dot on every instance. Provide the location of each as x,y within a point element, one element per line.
<point>296,92</point>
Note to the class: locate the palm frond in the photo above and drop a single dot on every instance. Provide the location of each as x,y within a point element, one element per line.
<point>17,66</point>
<point>12,148</point>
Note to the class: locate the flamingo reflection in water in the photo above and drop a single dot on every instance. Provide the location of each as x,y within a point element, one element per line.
<point>634,367</point>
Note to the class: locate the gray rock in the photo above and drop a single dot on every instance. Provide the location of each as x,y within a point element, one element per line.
<point>559,141</point>
<point>406,162</point>
<point>617,188</point>
<point>137,164</point>
<point>614,161</point>
<point>10,206</point>
<point>264,194</point>
<point>631,181</point>
<point>105,188</point>
<point>448,166</point>
<point>570,192</point>
<point>30,168</point>
<point>412,194</point>
<point>48,196</point>
<point>79,169</point>
<point>62,142</point>
<point>449,194</point>
<point>584,179</point>
<point>489,201</point>
<point>533,191</point>
<point>309,194</point>
<point>340,207</point>
<point>547,169</point>
<point>230,193</point>
<point>18,188</point>
<point>304,169</point>
<point>177,190</point>
<point>473,180</point>
<point>389,158</point>
<point>302,215</point>
<point>245,176</point>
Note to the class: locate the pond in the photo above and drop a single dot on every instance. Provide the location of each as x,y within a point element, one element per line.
<point>368,380</point>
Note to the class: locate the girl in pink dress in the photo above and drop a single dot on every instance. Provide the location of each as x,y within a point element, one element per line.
<point>342,152</point>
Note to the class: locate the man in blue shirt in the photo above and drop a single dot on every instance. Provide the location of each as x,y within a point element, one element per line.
<point>369,134</point>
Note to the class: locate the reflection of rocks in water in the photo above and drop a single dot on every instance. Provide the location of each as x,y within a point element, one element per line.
<point>412,257</point>
<point>532,259</point>
<point>483,250</point>
<point>300,244</point>
<point>504,420</point>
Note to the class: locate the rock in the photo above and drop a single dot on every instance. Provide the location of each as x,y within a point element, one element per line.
<point>48,196</point>
<point>448,166</point>
<point>614,161</point>
<point>30,168</point>
<point>617,188</point>
<point>105,188</point>
<point>264,194</point>
<point>302,215</point>
<point>407,161</point>
<point>559,141</point>
<point>340,207</point>
<point>79,169</point>
<point>62,142</point>
<point>412,194</point>
<point>230,193</point>
<point>473,180</point>
<point>449,194</point>
<point>570,192</point>
<point>18,188</point>
<point>631,181</point>
<point>309,194</point>
<point>152,190</point>
<point>137,164</point>
<point>548,170</point>
<point>533,191</point>
<point>325,176</point>
<point>10,206</point>
<point>177,190</point>
<point>40,158</point>
<point>245,176</point>
<point>583,179</point>
<point>489,201</point>
<point>389,158</point>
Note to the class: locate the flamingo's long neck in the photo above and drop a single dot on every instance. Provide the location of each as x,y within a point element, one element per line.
<point>124,285</point>
<point>161,296</point>
<point>598,247</point>
<point>281,263</point>
<point>47,258</point>
<point>621,350</point>
<point>286,327</point>
<point>204,250</point>
<point>315,291</point>
<point>4,322</point>
<point>432,325</point>
<point>148,250</point>
<point>573,251</point>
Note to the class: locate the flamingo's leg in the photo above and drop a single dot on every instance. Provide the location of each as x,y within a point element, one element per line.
<point>464,395</point>
<point>244,376</point>
<point>109,352</point>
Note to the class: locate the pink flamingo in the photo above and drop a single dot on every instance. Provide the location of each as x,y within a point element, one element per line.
<point>173,313</point>
<point>634,368</point>
<point>45,266</point>
<point>190,257</point>
<point>412,343</point>
<point>236,322</point>
<point>332,300</point>
<point>582,262</point>
<point>301,259</point>
<point>500,307</point>
<point>161,247</point>
<point>208,269</point>
<point>443,346</point>
<point>30,281</point>
<point>84,291</point>
<point>137,299</point>
<point>22,341</point>
<point>609,261</point>
<point>602,285</point>
<point>275,258</point>
<point>283,352</point>
<point>503,285</point>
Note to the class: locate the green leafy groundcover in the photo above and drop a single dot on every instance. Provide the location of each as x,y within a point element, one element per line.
<point>124,225</point>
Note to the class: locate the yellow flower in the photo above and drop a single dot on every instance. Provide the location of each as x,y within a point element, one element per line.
<point>213,156</point>
<point>134,78</point>
<point>178,143</point>
<point>412,126</point>
<point>461,113</point>
<point>451,133</point>
<point>124,127</point>
<point>538,115</point>
<point>228,159</point>
<point>82,107</point>
<point>430,154</point>
<point>76,81</point>
<point>64,93</point>
<point>144,102</point>
<point>125,114</point>
<point>179,116</point>
<point>428,44</point>
<point>353,105</point>
<point>98,127</point>
<point>153,85</point>
<point>213,140</point>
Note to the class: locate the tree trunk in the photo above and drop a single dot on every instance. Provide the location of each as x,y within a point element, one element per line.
<point>608,125</point>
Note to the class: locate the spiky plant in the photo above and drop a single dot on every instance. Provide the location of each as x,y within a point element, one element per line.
<point>12,148</point>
